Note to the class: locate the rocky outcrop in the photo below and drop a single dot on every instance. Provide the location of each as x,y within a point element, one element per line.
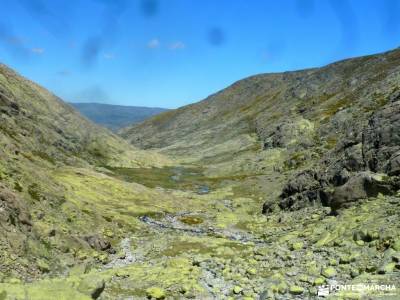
<point>289,133</point>
<point>381,143</point>
<point>362,165</point>
<point>98,243</point>
<point>13,211</point>
<point>360,186</point>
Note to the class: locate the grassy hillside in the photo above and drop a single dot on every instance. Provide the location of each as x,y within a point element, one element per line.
<point>247,113</point>
<point>115,117</point>
<point>41,139</point>
<point>269,189</point>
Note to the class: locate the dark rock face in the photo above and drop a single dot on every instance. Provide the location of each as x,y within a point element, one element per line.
<point>349,173</point>
<point>381,143</point>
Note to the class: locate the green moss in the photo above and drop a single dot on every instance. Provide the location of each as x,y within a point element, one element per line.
<point>296,160</point>
<point>334,107</point>
<point>331,142</point>
<point>34,191</point>
<point>44,156</point>
<point>17,186</point>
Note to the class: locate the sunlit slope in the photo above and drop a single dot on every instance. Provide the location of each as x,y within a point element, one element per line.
<point>310,107</point>
<point>40,125</point>
<point>45,225</point>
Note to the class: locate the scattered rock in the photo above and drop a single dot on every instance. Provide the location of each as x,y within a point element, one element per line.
<point>296,290</point>
<point>396,245</point>
<point>387,268</point>
<point>319,281</point>
<point>43,266</point>
<point>396,257</point>
<point>328,272</point>
<point>252,271</point>
<point>296,246</point>
<point>155,293</point>
<point>237,289</point>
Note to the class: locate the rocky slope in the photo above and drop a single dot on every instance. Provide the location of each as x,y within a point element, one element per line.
<point>325,138</point>
<point>41,138</point>
<point>116,117</point>
<point>329,123</point>
<point>270,189</point>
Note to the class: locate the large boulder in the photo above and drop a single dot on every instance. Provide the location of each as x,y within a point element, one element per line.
<point>13,210</point>
<point>360,186</point>
<point>99,243</point>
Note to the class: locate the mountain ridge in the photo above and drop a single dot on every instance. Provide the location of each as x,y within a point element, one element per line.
<point>113,116</point>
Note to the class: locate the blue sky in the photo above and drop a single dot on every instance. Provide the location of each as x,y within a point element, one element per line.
<point>169,53</point>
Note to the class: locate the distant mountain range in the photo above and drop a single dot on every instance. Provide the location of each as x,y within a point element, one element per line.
<point>115,117</point>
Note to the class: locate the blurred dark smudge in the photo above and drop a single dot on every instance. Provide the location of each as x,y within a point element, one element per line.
<point>53,22</point>
<point>391,17</point>
<point>216,36</point>
<point>94,45</point>
<point>12,43</point>
<point>348,24</point>
<point>91,50</point>
<point>305,8</point>
<point>149,8</point>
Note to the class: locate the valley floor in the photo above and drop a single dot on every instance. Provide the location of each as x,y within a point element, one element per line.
<point>179,232</point>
